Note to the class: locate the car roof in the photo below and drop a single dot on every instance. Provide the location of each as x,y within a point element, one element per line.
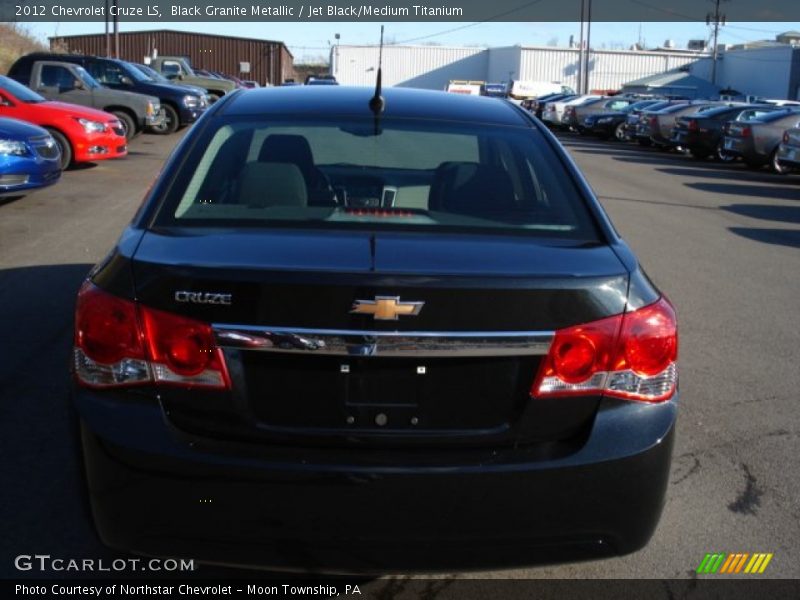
<point>344,101</point>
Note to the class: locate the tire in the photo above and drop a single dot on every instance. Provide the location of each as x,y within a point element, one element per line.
<point>64,146</point>
<point>723,156</point>
<point>776,166</point>
<point>171,121</point>
<point>619,132</point>
<point>128,124</point>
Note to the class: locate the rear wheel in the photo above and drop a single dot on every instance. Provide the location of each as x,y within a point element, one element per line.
<point>723,156</point>
<point>619,132</point>
<point>64,146</point>
<point>128,124</point>
<point>171,121</point>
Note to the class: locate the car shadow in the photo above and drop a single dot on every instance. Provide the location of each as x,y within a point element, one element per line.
<point>755,191</point>
<point>85,166</point>
<point>9,199</point>
<point>724,172</point>
<point>783,214</point>
<point>778,237</point>
<point>43,504</point>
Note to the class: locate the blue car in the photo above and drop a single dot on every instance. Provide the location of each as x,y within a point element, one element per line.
<point>29,157</point>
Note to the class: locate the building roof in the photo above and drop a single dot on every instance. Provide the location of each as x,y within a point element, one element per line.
<point>669,79</point>
<point>175,32</point>
<point>353,102</point>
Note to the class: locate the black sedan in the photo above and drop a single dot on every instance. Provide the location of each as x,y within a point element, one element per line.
<point>702,134</point>
<point>613,124</point>
<point>396,332</point>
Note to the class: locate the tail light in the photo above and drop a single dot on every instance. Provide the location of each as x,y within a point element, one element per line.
<point>747,131</point>
<point>693,125</point>
<point>653,121</point>
<point>119,342</point>
<point>631,356</point>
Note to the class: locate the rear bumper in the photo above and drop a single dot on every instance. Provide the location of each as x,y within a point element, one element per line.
<point>789,155</point>
<point>155,491</point>
<point>742,147</point>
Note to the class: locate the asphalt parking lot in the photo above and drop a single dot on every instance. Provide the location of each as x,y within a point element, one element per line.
<point>722,241</point>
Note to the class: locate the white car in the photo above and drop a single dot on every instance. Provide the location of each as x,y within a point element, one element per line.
<point>554,111</point>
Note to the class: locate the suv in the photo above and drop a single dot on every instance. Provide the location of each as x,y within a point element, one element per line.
<point>181,106</point>
<point>178,68</point>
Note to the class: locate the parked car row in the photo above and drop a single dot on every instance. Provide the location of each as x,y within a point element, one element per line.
<point>57,110</point>
<point>758,134</point>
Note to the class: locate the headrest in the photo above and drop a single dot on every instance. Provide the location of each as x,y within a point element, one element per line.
<point>472,188</point>
<point>271,184</point>
<point>287,149</point>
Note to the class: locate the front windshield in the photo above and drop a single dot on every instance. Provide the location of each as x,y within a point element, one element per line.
<point>133,72</point>
<point>19,91</point>
<point>421,176</point>
<point>90,81</point>
<point>151,73</point>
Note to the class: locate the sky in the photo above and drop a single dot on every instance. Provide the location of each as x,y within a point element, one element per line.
<point>311,41</point>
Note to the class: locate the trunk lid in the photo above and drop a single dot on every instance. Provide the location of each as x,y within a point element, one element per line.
<point>305,367</point>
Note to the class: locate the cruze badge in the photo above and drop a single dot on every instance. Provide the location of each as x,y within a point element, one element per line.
<point>204,298</point>
<point>386,308</point>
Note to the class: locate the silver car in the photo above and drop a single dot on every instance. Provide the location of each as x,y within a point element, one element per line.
<point>788,154</point>
<point>756,142</point>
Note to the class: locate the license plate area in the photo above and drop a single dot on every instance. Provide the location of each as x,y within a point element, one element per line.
<point>388,383</point>
<point>380,395</point>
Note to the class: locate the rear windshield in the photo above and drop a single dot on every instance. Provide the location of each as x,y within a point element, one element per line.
<point>779,114</point>
<point>410,175</point>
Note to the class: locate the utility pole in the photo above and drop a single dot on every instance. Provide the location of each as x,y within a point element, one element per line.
<point>116,29</point>
<point>108,38</point>
<point>716,18</point>
<point>579,87</point>
<point>588,45</point>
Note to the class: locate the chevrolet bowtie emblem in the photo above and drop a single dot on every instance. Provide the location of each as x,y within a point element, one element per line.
<point>386,308</point>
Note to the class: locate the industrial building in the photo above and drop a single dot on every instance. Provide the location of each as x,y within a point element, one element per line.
<point>433,67</point>
<point>267,62</point>
<point>769,70</point>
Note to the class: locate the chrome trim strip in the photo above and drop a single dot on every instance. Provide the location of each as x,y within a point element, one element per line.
<point>343,342</point>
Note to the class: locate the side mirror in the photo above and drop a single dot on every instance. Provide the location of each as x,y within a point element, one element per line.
<point>180,76</point>
<point>78,85</point>
<point>171,76</point>
<point>125,80</point>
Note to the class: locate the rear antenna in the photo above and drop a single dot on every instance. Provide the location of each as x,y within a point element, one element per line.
<point>377,103</point>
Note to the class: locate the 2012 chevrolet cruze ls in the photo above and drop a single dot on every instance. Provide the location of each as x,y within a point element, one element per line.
<point>344,334</point>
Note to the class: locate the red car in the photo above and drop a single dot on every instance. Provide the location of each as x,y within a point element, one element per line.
<point>83,134</point>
